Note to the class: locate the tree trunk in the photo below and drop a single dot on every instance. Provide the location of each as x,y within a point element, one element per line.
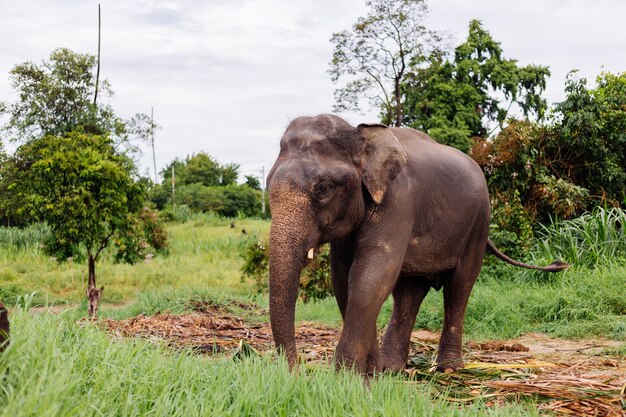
<point>398,103</point>
<point>4,328</point>
<point>93,293</point>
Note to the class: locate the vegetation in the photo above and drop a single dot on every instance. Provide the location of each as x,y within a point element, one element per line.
<point>61,369</point>
<point>473,93</point>
<point>85,191</point>
<point>205,186</point>
<point>70,170</point>
<point>315,283</point>
<point>57,97</point>
<point>375,56</point>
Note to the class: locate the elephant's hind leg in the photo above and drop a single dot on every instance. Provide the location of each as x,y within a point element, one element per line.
<point>456,292</point>
<point>408,295</point>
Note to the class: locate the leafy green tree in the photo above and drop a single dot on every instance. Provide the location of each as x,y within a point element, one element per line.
<point>374,56</point>
<point>253,182</point>
<point>85,190</point>
<point>201,168</point>
<point>473,93</point>
<point>592,125</point>
<point>240,199</point>
<point>571,165</point>
<point>57,97</point>
<point>201,198</point>
<point>525,191</point>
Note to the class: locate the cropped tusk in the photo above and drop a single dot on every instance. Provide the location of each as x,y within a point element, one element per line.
<point>311,253</point>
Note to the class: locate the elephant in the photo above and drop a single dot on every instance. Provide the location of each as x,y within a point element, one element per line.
<point>402,214</point>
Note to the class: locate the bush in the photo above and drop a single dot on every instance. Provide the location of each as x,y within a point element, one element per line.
<point>256,264</point>
<point>315,282</point>
<point>141,234</point>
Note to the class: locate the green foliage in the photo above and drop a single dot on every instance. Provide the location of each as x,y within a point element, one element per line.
<point>54,367</point>
<point>593,239</point>
<point>201,198</point>
<point>141,237</point>
<point>374,56</point>
<point>23,238</point>
<point>203,185</point>
<point>240,200</point>
<point>522,184</point>
<point>456,99</point>
<point>315,282</point>
<point>57,97</point>
<point>256,264</point>
<point>592,127</point>
<point>228,201</point>
<point>153,228</point>
<point>253,182</point>
<point>511,229</point>
<point>80,186</point>
<point>574,164</point>
<point>200,168</point>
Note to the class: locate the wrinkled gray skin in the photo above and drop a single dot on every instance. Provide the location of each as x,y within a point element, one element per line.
<point>402,214</point>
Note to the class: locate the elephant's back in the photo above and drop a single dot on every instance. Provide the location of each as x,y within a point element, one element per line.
<point>442,165</point>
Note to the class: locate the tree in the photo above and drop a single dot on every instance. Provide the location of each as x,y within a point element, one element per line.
<point>201,168</point>
<point>253,182</point>
<point>473,94</point>
<point>592,125</point>
<point>375,55</point>
<point>85,190</point>
<point>572,164</point>
<point>56,98</point>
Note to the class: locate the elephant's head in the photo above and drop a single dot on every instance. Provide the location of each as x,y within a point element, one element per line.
<point>326,174</point>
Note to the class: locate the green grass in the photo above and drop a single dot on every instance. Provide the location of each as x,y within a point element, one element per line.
<point>55,367</point>
<point>204,253</point>
<point>590,240</point>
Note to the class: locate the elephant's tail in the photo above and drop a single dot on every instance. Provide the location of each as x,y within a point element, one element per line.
<point>555,266</point>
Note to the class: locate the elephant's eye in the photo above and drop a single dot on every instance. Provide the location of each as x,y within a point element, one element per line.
<point>323,189</point>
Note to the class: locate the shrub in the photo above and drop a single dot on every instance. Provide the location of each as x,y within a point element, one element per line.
<point>256,264</point>
<point>315,282</point>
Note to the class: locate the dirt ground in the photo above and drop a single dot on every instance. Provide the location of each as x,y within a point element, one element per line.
<point>565,377</point>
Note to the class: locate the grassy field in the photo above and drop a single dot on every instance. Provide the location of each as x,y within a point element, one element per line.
<point>56,366</point>
<point>203,255</point>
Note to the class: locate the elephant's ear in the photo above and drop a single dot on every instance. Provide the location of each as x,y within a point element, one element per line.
<point>382,158</point>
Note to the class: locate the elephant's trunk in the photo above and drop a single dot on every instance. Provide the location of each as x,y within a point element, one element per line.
<point>291,235</point>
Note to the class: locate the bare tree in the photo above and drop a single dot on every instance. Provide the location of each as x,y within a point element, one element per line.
<point>373,57</point>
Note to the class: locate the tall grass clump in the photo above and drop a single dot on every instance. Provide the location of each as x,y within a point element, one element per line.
<point>14,240</point>
<point>593,239</point>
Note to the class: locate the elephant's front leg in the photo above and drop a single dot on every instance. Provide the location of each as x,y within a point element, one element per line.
<point>340,262</point>
<point>373,274</point>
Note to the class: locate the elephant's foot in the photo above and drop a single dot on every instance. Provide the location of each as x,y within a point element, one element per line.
<point>373,363</point>
<point>394,362</point>
<point>358,358</point>
<point>448,363</point>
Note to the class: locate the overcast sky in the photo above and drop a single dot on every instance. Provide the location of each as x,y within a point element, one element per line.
<point>226,76</point>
